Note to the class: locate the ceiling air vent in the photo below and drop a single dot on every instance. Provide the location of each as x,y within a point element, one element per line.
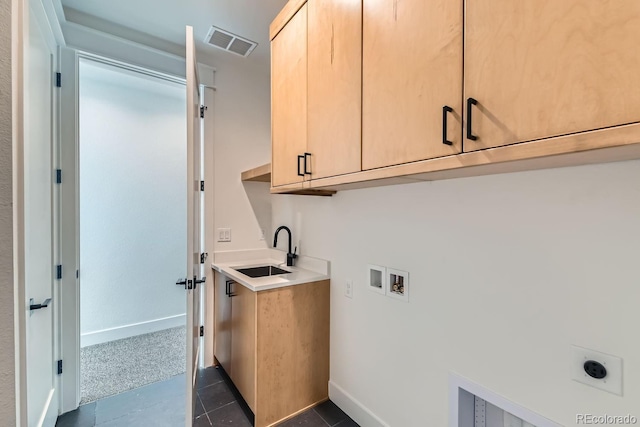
<point>230,42</point>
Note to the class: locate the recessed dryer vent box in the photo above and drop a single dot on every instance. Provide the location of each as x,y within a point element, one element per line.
<point>376,277</point>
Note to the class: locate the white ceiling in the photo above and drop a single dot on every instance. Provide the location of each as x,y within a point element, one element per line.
<point>161,23</point>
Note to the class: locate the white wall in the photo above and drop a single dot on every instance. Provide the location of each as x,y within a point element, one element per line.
<point>7,349</point>
<point>132,202</point>
<point>506,273</point>
<point>241,141</point>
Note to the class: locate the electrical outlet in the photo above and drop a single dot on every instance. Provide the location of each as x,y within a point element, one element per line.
<point>612,380</point>
<point>224,234</point>
<point>262,234</point>
<point>348,290</point>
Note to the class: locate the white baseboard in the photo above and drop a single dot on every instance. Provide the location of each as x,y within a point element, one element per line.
<point>126,331</point>
<point>356,410</point>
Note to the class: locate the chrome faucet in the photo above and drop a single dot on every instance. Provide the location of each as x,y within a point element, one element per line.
<point>291,256</point>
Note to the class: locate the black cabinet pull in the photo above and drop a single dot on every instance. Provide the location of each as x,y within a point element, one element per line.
<point>44,304</point>
<point>228,289</point>
<point>470,103</point>
<point>307,171</point>
<point>446,109</point>
<point>300,173</point>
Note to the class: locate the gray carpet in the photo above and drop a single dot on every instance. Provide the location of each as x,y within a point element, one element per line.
<point>117,366</point>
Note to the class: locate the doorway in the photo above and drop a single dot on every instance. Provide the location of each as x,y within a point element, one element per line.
<point>132,223</point>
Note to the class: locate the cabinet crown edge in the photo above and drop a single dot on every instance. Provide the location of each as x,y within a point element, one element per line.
<point>288,11</point>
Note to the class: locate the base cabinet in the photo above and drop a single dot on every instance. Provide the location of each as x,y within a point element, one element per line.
<point>243,333</point>
<point>222,322</point>
<point>274,344</point>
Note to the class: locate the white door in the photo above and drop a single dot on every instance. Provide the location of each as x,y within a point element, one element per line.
<point>41,370</point>
<point>194,273</point>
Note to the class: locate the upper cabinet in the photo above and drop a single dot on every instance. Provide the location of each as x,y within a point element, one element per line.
<point>412,80</point>
<point>372,92</point>
<point>289,101</point>
<point>316,67</point>
<point>542,68</point>
<point>334,87</point>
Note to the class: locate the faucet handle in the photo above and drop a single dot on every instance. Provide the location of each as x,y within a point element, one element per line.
<point>291,257</point>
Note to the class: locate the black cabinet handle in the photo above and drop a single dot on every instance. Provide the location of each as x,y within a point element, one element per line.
<point>300,173</point>
<point>228,289</point>
<point>470,103</point>
<point>44,304</point>
<point>446,109</point>
<point>307,171</point>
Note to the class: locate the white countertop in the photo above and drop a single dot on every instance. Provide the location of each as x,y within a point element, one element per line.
<point>307,269</point>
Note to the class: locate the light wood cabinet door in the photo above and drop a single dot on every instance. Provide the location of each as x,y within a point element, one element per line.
<point>292,350</point>
<point>412,68</point>
<point>222,323</point>
<point>289,99</point>
<point>543,68</point>
<point>243,342</point>
<point>334,86</point>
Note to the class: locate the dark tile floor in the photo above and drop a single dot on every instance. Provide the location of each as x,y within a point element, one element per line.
<point>162,404</point>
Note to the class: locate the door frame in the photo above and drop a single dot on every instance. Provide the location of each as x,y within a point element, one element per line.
<point>69,213</point>
<point>208,97</point>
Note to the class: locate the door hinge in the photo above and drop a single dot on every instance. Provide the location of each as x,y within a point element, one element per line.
<point>58,272</point>
<point>203,257</point>
<point>201,185</point>
<point>480,412</point>
<point>59,367</point>
<point>203,108</point>
<point>77,274</point>
<point>201,331</point>
<point>58,79</point>
<point>58,176</point>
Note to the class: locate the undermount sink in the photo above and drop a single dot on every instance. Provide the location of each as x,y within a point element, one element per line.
<point>262,271</point>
